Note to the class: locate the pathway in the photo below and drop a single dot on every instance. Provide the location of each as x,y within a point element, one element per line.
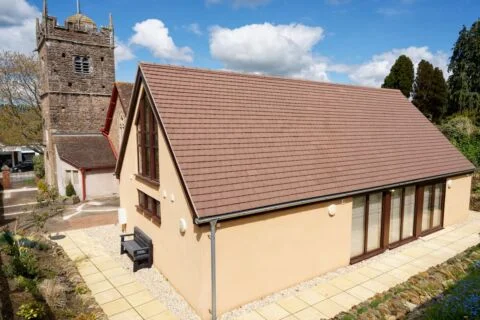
<point>115,289</point>
<point>357,283</point>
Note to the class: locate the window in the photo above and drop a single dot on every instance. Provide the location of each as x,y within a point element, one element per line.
<point>147,141</point>
<point>82,65</point>
<point>402,214</point>
<point>75,176</point>
<point>432,208</point>
<point>149,207</point>
<point>121,127</point>
<point>366,224</point>
<point>68,177</point>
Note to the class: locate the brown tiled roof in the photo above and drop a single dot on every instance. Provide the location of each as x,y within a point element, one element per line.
<point>243,142</point>
<point>124,94</point>
<point>85,151</point>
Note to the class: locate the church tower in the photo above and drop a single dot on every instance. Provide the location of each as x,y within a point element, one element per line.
<point>77,74</point>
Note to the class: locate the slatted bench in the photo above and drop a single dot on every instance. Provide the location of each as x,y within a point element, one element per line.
<point>139,249</point>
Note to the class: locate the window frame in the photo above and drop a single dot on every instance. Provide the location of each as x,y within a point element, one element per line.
<point>154,213</point>
<point>148,163</point>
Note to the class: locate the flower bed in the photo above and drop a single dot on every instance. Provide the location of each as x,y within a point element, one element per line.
<point>38,281</point>
<point>450,290</point>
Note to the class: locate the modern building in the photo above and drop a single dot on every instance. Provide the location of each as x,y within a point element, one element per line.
<point>77,73</point>
<point>250,184</point>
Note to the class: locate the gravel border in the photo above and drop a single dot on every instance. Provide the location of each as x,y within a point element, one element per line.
<point>109,237</point>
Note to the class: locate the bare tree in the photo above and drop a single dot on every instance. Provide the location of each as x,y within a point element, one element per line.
<point>21,115</point>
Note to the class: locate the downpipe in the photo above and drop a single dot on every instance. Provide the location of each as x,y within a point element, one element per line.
<point>213,268</point>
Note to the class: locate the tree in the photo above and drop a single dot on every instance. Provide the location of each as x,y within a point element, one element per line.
<point>430,91</point>
<point>401,76</point>
<point>464,81</point>
<point>21,117</point>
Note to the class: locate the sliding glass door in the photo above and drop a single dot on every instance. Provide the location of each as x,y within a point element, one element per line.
<point>366,224</point>
<point>432,208</point>
<point>402,214</point>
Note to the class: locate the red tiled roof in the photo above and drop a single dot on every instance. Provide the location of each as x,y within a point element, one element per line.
<point>85,151</point>
<point>125,90</point>
<point>243,142</point>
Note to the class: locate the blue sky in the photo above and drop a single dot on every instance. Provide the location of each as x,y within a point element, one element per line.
<point>349,41</point>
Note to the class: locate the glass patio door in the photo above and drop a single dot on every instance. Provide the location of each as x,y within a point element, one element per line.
<point>402,214</point>
<point>432,209</point>
<point>366,224</point>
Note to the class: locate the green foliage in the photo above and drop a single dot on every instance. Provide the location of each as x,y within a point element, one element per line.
<point>464,81</point>
<point>42,186</point>
<point>401,76</point>
<point>430,92</point>
<point>26,284</point>
<point>32,311</point>
<point>81,289</point>
<point>39,166</point>
<point>25,264</point>
<point>463,134</point>
<point>86,316</point>
<point>461,301</point>
<point>70,190</point>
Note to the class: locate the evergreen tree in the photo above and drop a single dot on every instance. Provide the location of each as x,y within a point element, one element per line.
<point>430,91</point>
<point>422,87</point>
<point>401,76</point>
<point>439,96</point>
<point>464,81</point>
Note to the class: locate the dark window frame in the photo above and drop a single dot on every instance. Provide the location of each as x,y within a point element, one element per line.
<point>147,142</point>
<point>417,228</point>
<point>402,217</point>
<point>149,207</point>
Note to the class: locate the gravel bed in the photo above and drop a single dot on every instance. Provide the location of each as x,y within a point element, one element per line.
<point>152,279</point>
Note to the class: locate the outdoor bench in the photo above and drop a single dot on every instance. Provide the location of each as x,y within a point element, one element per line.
<point>139,249</point>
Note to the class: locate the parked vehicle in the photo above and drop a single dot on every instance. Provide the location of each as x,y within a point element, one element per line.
<point>23,166</point>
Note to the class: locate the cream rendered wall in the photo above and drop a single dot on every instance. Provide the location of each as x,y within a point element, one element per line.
<point>183,259</point>
<point>457,199</point>
<point>100,183</point>
<point>62,166</point>
<point>265,253</point>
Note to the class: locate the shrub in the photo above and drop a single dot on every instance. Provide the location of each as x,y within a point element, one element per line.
<point>81,289</point>
<point>25,264</point>
<point>54,293</point>
<point>463,134</point>
<point>70,190</point>
<point>86,316</point>
<point>31,311</point>
<point>42,186</point>
<point>39,166</point>
<point>26,284</point>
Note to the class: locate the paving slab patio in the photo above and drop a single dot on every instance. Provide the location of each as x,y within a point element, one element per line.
<point>353,284</point>
<point>114,288</point>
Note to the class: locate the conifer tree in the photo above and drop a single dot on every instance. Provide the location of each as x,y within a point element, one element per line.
<point>401,76</point>
<point>464,81</point>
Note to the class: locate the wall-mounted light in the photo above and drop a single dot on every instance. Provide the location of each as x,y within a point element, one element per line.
<point>449,183</point>
<point>392,190</point>
<point>164,194</point>
<point>332,209</point>
<point>172,198</point>
<point>182,225</point>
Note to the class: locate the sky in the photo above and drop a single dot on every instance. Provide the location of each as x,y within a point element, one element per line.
<point>343,41</point>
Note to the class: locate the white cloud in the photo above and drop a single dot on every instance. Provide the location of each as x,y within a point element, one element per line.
<point>241,3</point>
<point>123,52</point>
<point>17,25</point>
<point>194,28</point>
<point>373,72</point>
<point>153,35</point>
<point>270,49</point>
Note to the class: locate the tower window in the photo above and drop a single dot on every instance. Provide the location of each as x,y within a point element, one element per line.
<point>82,65</point>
